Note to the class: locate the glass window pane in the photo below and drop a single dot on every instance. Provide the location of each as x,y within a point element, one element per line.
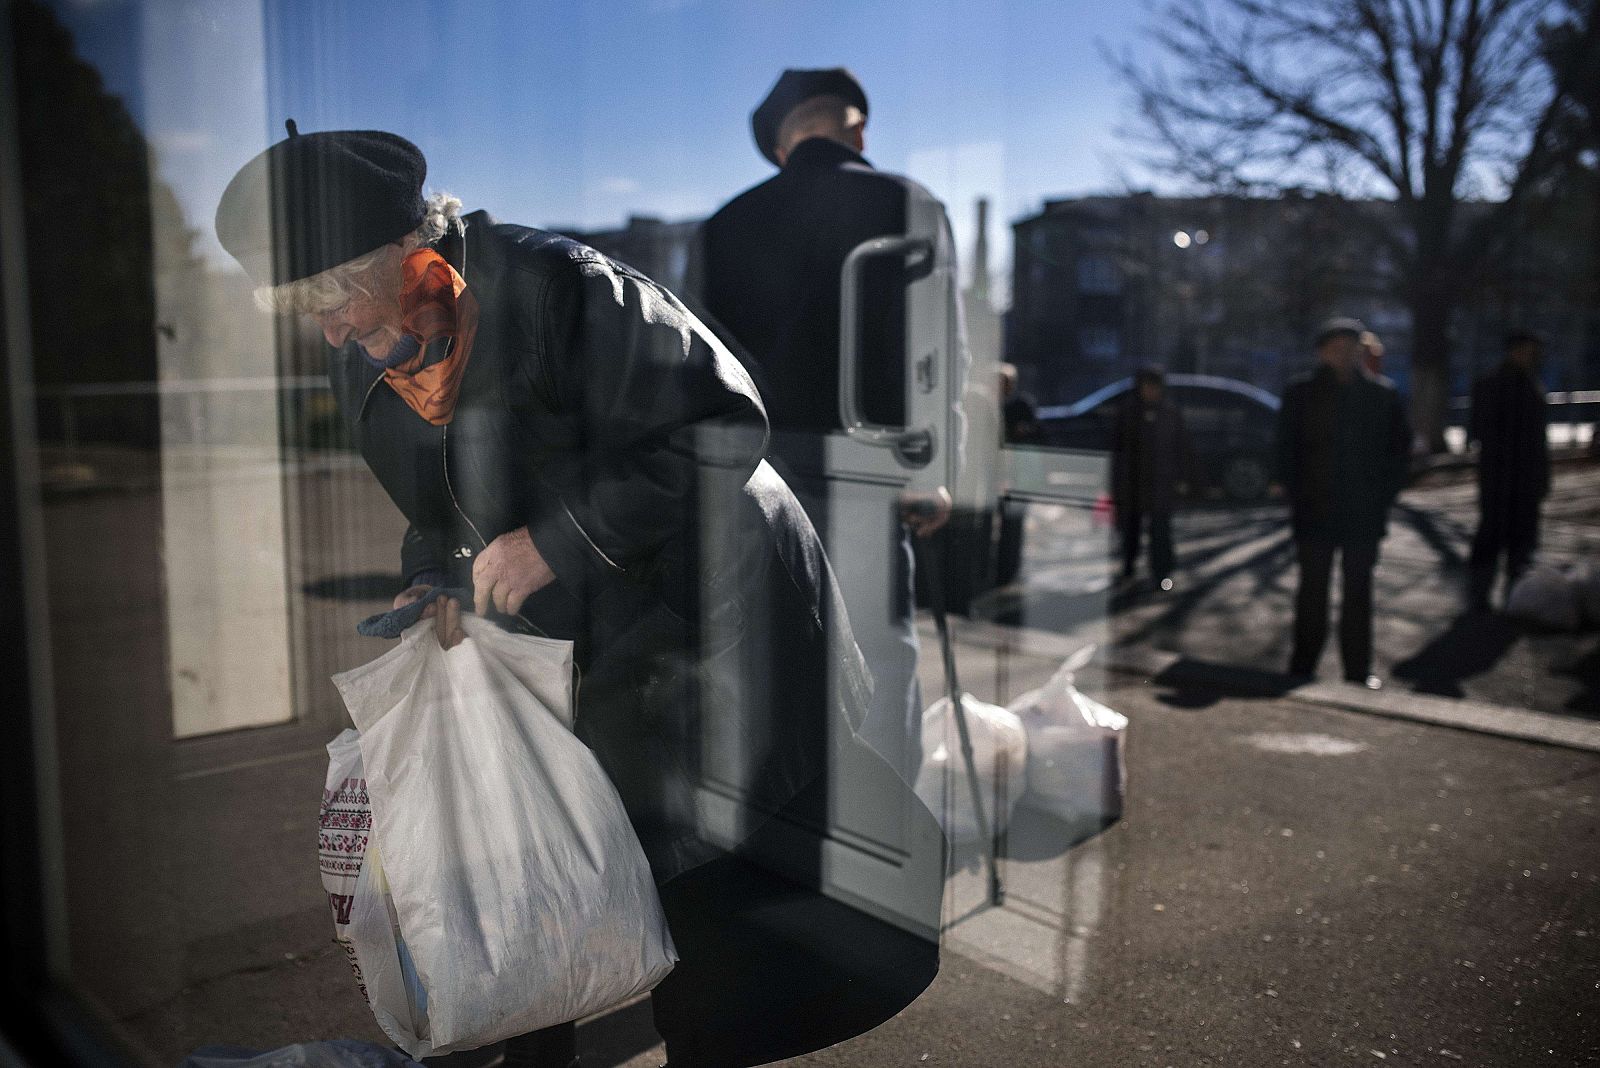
<point>976,537</point>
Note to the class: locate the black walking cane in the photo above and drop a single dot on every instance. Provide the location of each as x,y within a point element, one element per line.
<point>936,600</point>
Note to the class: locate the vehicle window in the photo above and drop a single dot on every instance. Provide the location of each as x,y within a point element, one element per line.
<point>1204,411</point>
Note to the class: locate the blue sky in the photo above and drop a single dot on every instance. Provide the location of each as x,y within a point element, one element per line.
<point>582,112</point>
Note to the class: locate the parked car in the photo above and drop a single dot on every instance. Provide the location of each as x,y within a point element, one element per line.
<point>1230,425</point>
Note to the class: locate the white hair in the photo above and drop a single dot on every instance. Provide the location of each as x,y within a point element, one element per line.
<point>335,287</point>
<point>827,116</point>
<point>441,214</point>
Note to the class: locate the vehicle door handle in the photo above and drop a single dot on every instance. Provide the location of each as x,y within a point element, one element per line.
<point>914,445</point>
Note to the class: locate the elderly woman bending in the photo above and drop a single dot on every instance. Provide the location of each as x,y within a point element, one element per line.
<point>568,441</point>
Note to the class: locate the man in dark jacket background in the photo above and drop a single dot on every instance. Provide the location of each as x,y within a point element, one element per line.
<point>1343,443</point>
<point>1149,454</point>
<point>769,268</point>
<point>1508,423</point>
<point>771,258</point>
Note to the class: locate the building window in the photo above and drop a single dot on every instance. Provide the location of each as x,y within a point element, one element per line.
<point>1098,274</point>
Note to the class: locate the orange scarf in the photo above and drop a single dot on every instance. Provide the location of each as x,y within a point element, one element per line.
<point>437,307</point>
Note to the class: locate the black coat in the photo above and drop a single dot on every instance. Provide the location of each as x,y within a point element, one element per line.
<point>1149,454</point>
<point>768,270</point>
<point>713,644</point>
<point>599,413</point>
<point>1508,423</point>
<point>1343,450</point>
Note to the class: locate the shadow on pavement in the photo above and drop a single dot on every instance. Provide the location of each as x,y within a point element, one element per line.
<point>1060,612</point>
<point>618,1036</point>
<point>1472,645</point>
<point>604,1041</point>
<point>1036,835</point>
<point>1427,527</point>
<point>1201,684</point>
<point>1267,565</point>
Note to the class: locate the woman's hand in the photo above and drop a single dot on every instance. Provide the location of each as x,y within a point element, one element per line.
<point>447,623</point>
<point>508,572</point>
<point>925,513</point>
<point>445,613</point>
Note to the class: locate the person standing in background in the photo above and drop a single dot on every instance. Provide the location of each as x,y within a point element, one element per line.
<point>1343,443</point>
<point>1149,451</point>
<point>1018,412</point>
<point>1019,417</point>
<point>1508,423</point>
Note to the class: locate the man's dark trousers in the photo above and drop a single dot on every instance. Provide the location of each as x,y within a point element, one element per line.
<point>1508,523</point>
<point>1357,560</point>
<point>1508,422</point>
<point>1132,522</point>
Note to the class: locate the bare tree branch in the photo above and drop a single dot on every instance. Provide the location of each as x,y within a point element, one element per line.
<point>1377,20</point>
<point>1430,102</point>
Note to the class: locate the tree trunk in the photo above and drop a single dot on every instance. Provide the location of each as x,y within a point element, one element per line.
<point>1430,367</point>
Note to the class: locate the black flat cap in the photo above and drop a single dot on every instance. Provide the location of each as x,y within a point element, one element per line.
<point>792,87</point>
<point>314,201</point>
<point>1338,326</point>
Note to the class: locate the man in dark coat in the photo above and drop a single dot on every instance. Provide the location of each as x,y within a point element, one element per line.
<point>771,258</point>
<point>1508,423</point>
<point>1149,452</point>
<point>769,266</point>
<point>1343,444</point>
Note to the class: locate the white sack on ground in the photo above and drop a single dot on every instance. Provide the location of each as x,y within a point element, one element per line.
<point>1075,748</point>
<point>1544,597</point>
<point>1000,754</point>
<point>518,887</point>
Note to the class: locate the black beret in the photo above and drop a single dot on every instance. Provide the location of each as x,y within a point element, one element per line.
<point>1338,326</point>
<point>794,86</point>
<point>314,201</point>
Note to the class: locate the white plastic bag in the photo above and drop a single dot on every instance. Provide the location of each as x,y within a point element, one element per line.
<point>1545,597</point>
<point>1075,749</point>
<point>518,895</point>
<point>344,835</point>
<point>352,874</point>
<point>1000,753</point>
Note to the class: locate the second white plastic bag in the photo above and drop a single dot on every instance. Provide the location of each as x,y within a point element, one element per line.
<point>1075,748</point>
<point>519,890</point>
